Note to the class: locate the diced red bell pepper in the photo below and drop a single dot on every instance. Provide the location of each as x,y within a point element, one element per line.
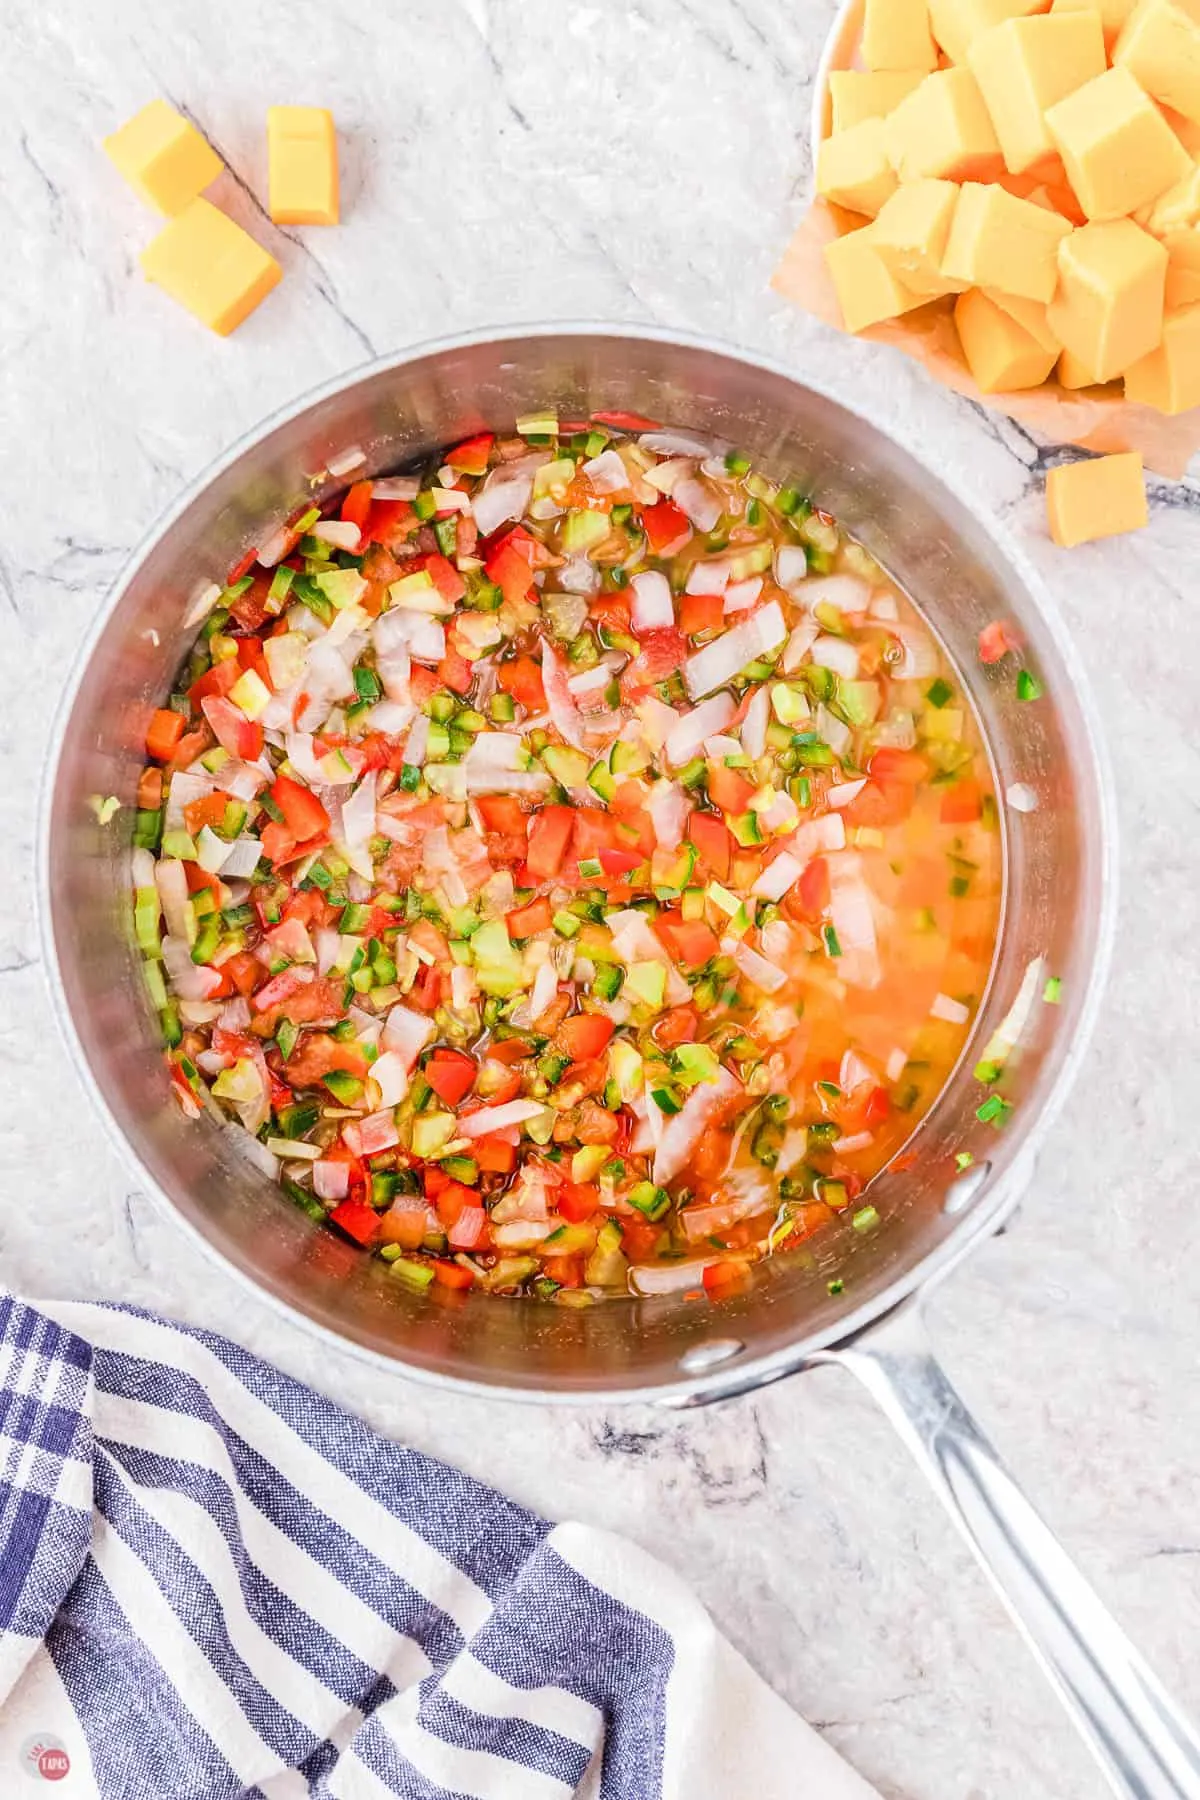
<point>387,521</point>
<point>356,506</point>
<point>577,1201</point>
<point>527,921</point>
<point>729,790</point>
<point>567,1271</point>
<point>584,1035</point>
<point>445,577</point>
<point>666,527</point>
<point>701,612</point>
<point>549,835</point>
<point>624,421</point>
<point>215,681</point>
<point>235,733</point>
<point>163,734</point>
<point>471,456</point>
<point>451,1075</point>
<point>250,607</point>
<point>302,812</point>
<point>242,567</point>
<point>494,1156</point>
<point>714,845</point>
<point>452,1274</point>
<point>426,992</point>
<point>522,678</point>
<point>510,571</point>
<point>618,862</point>
<point>451,1199</point>
<point>357,1220</point>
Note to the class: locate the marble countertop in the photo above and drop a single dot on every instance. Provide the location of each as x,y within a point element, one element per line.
<point>643,160</point>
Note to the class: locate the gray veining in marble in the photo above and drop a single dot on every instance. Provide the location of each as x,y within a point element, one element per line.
<point>639,160</point>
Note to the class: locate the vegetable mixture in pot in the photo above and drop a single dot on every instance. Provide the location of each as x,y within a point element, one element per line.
<point>573,869</point>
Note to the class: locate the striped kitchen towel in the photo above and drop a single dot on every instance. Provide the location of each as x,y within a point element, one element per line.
<point>214,1582</point>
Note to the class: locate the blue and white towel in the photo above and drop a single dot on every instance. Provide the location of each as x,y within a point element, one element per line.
<point>215,1583</point>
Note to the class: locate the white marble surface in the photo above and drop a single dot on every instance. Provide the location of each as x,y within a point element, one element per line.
<point>639,160</point>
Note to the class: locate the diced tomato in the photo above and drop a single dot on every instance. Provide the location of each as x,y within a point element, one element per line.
<point>502,813</point>
<point>163,734</point>
<point>356,506</point>
<point>618,862</point>
<point>404,1224</point>
<point>690,940</point>
<point>216,681</point>
<point>198,878</point>
<point>962,802</point>
<point>243,970</point>
<point>357,1220</point>
<point>445,577</point>
<point>714,845</point>
<point>455,672</point>
<point>549,835</point>
<point>577,1202</point>
<point>611,610</point>
<point>452,1275</point>
<point>208,810</point>
<point>451,1200</point>
<point>303,813</point>
<point>908,766</point>
<point>510,571</point>
<point>471,456</point>
<point>242,567</point>
<point>881,804</point>
<point>813,888</point>
<point>451,1075</point>
<point>522,678</point>
<point>494,1156</point>
<point>426,991</point>
<point>625,421</point>
<point>728,789</point>
<point>422,685</point>
<point>639,1239</point>
<point>679,1026</point>
<point>387,522</point>
<point>661,654</point>
<point>567,1271</point>
<point>526,921</point>
<point>250,608</point>
<point>236,734</point>
<point>722,1279</point>
<point>319,1054</point>
<point>584,1035</point>
<point>278,844</point>
<point>191,745</point>
<point>426,936</point>
<point>667,528</point>
<point>995,642</point>
<point>701,612</point>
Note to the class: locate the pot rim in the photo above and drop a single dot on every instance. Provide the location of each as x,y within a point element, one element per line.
<point>996,1199</point>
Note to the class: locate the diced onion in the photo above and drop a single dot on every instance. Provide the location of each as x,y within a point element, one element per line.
<point>710,577</point>
<point>345,460</point>
<point>754,725</point>
<point>496,1118</point>
<point>791,566</point>
<point>407,1033</point>
<point>741,595</point>
<point>503,497</point>
<point>607,473</point>
<point>343,533</point>
<point>668,807</point>
<point>763,632</point>
<point>800,642</point>
<point>674,443</point>
<point>396,487</point>
<point>668,1278</point>
<point>691,729</point>
<point>837,654</point>
<point>697,500</point>
<point>331,1180</point>
<point>754,967</point>
<point>846,592</point>
<point>567,721</point>
<point>857,1140</point>
<point>665,476</point>
<point>778,876</point>
<point>952,1011</point>
<point>684,1129</point>
<point>171,880</point>
<point>843,793</point>
<point>653,608</point>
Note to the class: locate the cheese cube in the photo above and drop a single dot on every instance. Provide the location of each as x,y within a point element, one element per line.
<point>1029,313</point>
<point>302,165</point>
<point>910,235</point>
<point>856,95</point>
<point>163,157</point>
<point>1183,283</point>
<point>1108,311</point>
<point>896,35</point>
<point>1073,374</point>
<point>957,23</point>
<point>1178,209</point>
<point>1118,149</point>
<point>1096,499</point>
<point>867,290</point>
<point>1113,14</point>
<point>1186,130</point>
<point>998,241</point>
<point>853,169</point>
<point>211,266</point>
<point>943,130</point>
<point>1026,65</point>
<point>1169,378</point>
<point>1000,353</point>
<point>1160,46</point>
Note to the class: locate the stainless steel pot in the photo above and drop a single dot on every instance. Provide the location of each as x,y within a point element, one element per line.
<point>1057,921</point>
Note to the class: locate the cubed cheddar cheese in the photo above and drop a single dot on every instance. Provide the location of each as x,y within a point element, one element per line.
<point>1099,498</point>
<point>1000,353</point>
<point>1186,130</point>
<point>957,23</point>
<point>1178,209</point>
<point>1160,46</point>
<point>163,157</point>
<point>943,130</point>
<point>910,235</point>
<point>896,35</point>
<point>1118,150</point>
<point>853,168</point>
<point>1169,378</point>
<point>858,94</point>
<point>867,290</point>
<point>1027,65</point>
<point>1030,314</point>
<point>211,266</point>
<point>1073,374</point>
<point>1108,311</point>
<point>998,241</point>
<point>1113,14</point>
<point>302,165</point>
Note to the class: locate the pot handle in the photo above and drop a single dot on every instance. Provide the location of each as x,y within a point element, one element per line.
<point>1143,1743</point>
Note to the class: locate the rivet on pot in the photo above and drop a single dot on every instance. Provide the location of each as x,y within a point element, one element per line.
<point>965,1187</point>
<point>703,1357</point>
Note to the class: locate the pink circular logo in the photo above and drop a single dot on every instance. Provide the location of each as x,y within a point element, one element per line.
<point>45,1758</point>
